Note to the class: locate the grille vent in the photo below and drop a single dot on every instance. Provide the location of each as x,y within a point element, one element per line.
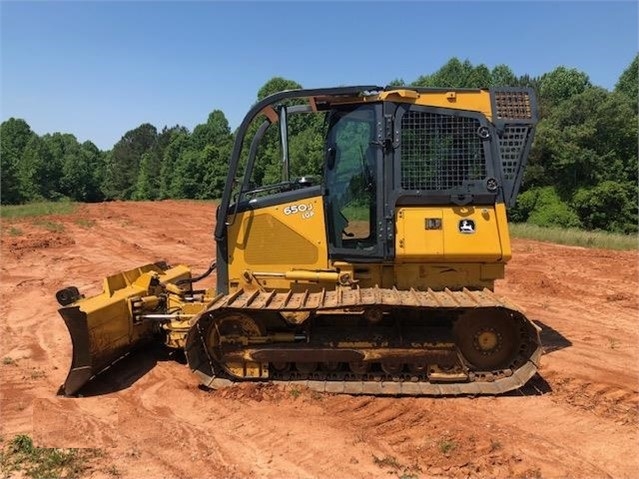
<point>440,152</point>
<point>511,145</point>
<point>513,105</point>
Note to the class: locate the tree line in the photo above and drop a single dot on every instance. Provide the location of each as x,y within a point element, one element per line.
<point>582,169</point>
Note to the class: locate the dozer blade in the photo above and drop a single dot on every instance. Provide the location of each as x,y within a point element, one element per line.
<point>104,328</point>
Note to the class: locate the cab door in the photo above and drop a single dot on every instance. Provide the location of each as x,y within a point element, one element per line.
<point>354,184</point>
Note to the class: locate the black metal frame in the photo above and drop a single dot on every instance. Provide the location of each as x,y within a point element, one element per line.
<point>473,192</point>
<point>271,100</point>
<point>378,252</point>
<point>512,187</point>
<point>223,209</point>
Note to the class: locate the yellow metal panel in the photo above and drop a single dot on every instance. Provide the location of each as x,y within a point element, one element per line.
<point>479,239</point>
<point>483,244</point>
<point>450,275</point>
<point>277,239</point>
<point>492,271</point>
<point>413,239</point>
<point>269,237</point>
<point>473,100</point>
<point>504,233</point>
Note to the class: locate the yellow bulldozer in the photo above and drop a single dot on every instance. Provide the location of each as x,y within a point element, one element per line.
<point>377,278</point>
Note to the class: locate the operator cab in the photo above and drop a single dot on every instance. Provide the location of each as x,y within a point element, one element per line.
<point>370,151</point>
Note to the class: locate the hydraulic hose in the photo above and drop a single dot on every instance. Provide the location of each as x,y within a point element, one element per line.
<point>190,281</point>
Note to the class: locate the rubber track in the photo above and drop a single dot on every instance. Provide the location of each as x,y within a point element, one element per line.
<point>336,300</point>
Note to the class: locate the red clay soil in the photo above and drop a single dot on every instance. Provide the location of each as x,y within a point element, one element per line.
<point>579,418</point>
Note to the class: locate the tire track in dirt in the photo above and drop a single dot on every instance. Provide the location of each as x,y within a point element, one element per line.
<point>620,405</point>
<point>58,420</point>
<point>552,430</point>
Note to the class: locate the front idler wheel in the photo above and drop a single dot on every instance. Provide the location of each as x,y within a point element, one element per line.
<point>229,333</point>
<point>487,340</point>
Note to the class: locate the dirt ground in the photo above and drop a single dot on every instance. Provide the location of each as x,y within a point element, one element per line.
<point>578,418</point>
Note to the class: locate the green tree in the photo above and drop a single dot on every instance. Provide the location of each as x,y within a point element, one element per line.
<point>205,155</point>
<point>166,136</point>
<point>307,148</point>
<point>590,138</point>
<point>562,83</point>
<point>159,172</point>
<point>586,149</point>
<point>124,161</point>
<point>214,165</point>
<point>397,82</point>
<point>544,207</point>
<point>502,75</point>
<point>628,83</point>
<point>452,75</point>
<point>93,159</point>
<point>275,85</point>
<point>610,205</point>
<point>65,154</point>
<point>179,143</point>
<point>268,166</point>
<point>82,167</point>
<point>189,175</point>
<point>144,189</point>
<point>37,174</point>
<point>15,134</point>
<point>529,81</point>
<point>457,74</point>
<point>215,130</point>
<point>479,77</point>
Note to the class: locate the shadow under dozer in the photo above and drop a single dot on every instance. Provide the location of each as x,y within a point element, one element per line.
<point>552,339</point>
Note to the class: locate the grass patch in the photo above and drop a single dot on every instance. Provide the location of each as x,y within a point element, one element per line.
<point>8,360</point>
<point>20,455</point>
<point>38,209</point>
<point>85,223</point>
<point>356,213</point>
<point>49,225</point>
<point>316,396</point>
<point>387,461</point>
<point>531,474</point>
<point>37,373</point>
<point>113,471</point>
<point>13,231</point>
<point>446,446</point>
<point>575,237</point>
<point>401,471</point>
<point>295,392</point>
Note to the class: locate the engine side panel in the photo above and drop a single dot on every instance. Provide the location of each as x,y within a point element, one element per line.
<point>457,234</point>
<point>277,239</point>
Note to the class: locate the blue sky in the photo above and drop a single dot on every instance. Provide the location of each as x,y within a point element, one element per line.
<point>98,69</point>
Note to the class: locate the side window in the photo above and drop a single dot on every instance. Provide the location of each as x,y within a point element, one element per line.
<point>306,133</point>
<point>351,180</point>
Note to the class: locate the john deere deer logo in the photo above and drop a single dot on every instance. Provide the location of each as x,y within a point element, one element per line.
<point>466,226</point>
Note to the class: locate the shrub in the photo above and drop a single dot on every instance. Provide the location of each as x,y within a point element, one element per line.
<point>543,207</point>
<point>609,206</point>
